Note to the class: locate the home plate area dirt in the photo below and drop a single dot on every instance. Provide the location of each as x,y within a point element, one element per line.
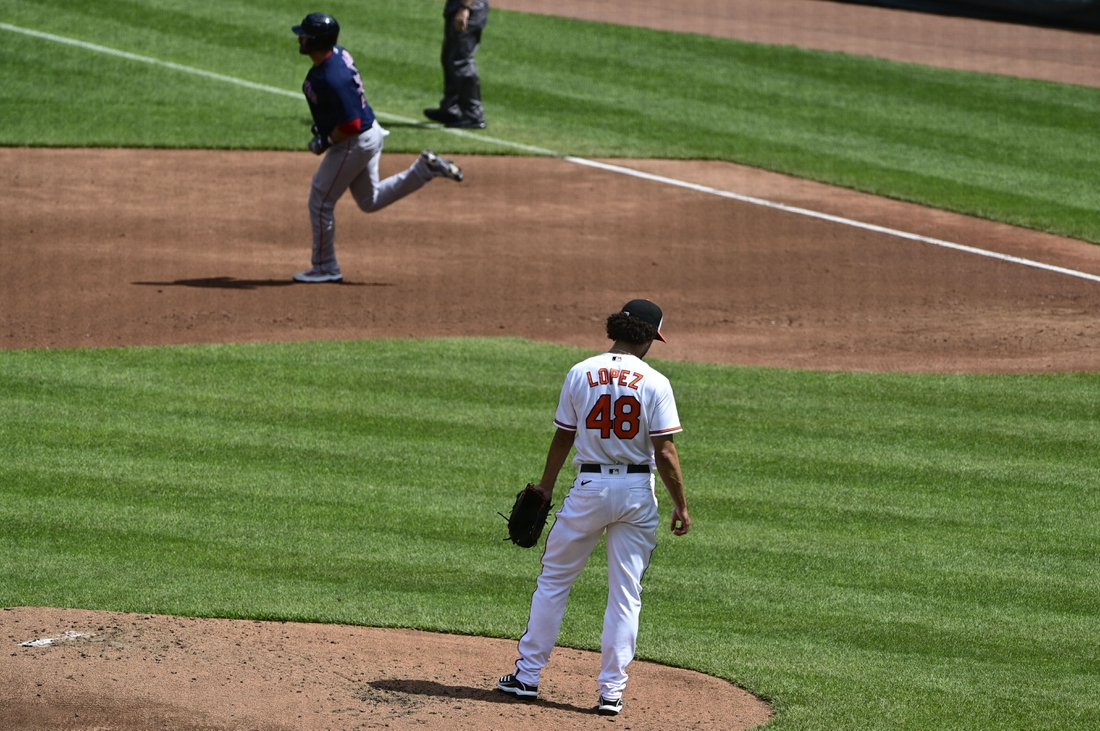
<point>67,669</point>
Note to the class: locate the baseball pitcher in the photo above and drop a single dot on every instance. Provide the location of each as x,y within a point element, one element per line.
<point>620,415</point>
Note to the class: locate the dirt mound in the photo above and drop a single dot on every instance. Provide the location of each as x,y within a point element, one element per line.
<point>75,669</point>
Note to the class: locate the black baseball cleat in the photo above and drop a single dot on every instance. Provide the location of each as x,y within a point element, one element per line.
<point>609,707</point>
<point>441,115</point>
<point>467,123</point>
<point>511,684</point>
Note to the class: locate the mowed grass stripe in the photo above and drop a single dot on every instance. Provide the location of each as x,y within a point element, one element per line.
<point>869,551</point>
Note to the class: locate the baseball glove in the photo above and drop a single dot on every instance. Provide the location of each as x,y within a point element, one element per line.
<point>528,517</point>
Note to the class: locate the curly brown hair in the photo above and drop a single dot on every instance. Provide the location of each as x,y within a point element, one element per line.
<point>621,326</point>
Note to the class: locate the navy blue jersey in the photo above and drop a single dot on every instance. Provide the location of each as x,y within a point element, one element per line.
<point>335,93</point>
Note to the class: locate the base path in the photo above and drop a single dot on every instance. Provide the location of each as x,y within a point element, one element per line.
<point>134,672</point>
<point>124,247</point>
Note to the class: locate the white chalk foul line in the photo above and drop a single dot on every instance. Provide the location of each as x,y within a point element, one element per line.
<point>147,59</point>
<point>576,160</point>
<point>258,87</point>
<point>829,217</point>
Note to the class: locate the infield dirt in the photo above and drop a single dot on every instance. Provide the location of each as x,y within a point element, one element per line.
<point>137,247</point>
<point>129,247</point>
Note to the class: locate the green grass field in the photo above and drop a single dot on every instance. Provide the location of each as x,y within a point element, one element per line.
<point>1012,150</point>
<point>869,551</point>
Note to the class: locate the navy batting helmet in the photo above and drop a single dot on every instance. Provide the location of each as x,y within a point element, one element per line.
<point>320,31</point>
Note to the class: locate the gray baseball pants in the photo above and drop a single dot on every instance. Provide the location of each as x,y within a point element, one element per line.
<point>354,164</point>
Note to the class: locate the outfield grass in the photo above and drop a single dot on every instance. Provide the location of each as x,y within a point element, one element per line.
<point>869,551</point>
<point>1013,150</point>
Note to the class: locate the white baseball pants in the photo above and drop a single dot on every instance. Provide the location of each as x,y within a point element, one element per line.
<point>354,164</point>
<point>625,506</point>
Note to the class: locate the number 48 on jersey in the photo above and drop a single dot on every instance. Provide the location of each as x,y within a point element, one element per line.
<point>620,418</point>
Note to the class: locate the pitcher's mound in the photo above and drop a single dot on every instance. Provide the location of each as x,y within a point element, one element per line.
<point>79,669</point>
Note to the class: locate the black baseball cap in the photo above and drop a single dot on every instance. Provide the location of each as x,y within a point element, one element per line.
<point>646,311</point>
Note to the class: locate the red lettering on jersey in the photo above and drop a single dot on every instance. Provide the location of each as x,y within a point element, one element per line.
<point>603,377</point>
<point>599,418</point>
<point>634,383</point>
<point>622,377</point>
<point>591,383</point>
<point>612,375</point>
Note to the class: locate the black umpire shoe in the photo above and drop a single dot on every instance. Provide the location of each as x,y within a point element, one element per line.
<point>511,684</point>
<point>467,123</point>
<point>608,707</point>
<point>441,115</point>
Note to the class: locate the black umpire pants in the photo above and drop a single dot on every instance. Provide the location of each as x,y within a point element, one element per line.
<point>461,83</point>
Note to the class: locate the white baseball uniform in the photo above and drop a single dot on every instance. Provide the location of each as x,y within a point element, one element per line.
<point>614,403</point>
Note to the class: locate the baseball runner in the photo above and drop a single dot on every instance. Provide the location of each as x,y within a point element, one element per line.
<point>621,416</point>
<point>463,22</point>
<point>350,138</point>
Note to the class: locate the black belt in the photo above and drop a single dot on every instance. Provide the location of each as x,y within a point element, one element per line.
<point>635,468</point>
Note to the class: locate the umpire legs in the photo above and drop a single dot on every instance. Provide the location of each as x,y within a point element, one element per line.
<point>461,82</point>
